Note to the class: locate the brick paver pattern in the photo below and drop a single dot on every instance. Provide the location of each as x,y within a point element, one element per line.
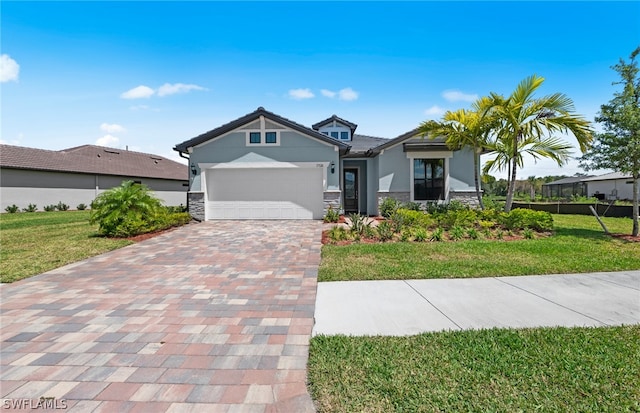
<point>211,317</point>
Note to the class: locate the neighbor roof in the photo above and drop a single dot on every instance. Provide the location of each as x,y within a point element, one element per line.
<point>569,180</point>
<point>214,133</point>
<point>91,159</point>
<point>609,176</point>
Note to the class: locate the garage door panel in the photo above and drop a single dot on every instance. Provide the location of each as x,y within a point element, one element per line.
<point>266,193</point>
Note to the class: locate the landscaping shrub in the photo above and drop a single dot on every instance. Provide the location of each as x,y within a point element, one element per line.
<point>412,206</point>
<point>12,209</point>
<point>385,231</point>
<point>31,208</point>
<point>131,209</point>
<point>388,207</point>
<point>412,218</point>
<point>332,215</point>
<point>81,207</point>
<point>49,208</point>
<point>62,206</point>
<point>465,217</point>
<point>437,235</point>
<point>420,234</point>
<point>337,233</point>
<point>456,233</point>
<point>359,224</point>
<point>526,218</point>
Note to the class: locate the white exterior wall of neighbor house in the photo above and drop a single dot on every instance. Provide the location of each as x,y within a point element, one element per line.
<point>23,187</point>
<point>612,188</point>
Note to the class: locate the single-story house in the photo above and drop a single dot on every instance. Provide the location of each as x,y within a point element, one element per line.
<point>565,188</point>
<point>611,186</point>
<point>77,175</point>
<point>264,166</point>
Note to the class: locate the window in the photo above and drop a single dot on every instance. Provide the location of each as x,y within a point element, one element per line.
<point>263,138</point>
<point>344,136</point>
<point>428,179</point>
<point>334,135</point>
<point>254,137</point>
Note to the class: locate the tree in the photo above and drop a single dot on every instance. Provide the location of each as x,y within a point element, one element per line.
<point>618,147</point>
<point>464,128</point>
<point>527,123</point>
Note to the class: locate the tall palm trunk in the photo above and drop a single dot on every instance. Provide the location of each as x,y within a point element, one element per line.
<point>512,183</point>
<point>476,178</point>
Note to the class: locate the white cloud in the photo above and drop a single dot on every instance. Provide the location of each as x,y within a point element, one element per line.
<point>328,93</point>
<point>9,69</point>
<point>171,89</point>
<point>299,94</point>
<point>347,94</point>
<point>139,107</point>
<point>15,142</point>
<point>112,128</point>
<point>434,111</point>
<point>138,92</point>
<point>457,96</point>
<point>108,140</point>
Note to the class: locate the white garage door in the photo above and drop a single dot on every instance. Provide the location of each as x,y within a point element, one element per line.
<point>264,193</point>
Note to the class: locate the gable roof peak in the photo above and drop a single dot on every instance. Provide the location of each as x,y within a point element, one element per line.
<point>338,119</point>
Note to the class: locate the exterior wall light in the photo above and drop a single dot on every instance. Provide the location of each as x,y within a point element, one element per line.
<point>333,167</point>
<point>193,170</point>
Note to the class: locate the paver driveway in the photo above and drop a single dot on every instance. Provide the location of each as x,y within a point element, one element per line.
<point>210,317</point>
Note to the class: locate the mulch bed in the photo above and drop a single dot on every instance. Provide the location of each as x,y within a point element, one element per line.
<point>625,237</point>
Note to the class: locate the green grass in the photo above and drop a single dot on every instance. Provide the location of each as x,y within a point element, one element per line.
<point>578,245</point>
<point>33,243</point>
<point>545,369</point>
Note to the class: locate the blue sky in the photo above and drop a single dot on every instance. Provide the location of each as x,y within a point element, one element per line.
<point>149,75</point>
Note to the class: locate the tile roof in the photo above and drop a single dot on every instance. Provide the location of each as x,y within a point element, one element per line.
<point>362,143</point>
<point>184,146</point>
<point>93,159</point>
<point>351,125</point>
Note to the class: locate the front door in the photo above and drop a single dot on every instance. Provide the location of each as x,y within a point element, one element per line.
<point>351,190</point>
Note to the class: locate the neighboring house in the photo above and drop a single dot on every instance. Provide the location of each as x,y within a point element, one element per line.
<point>264,166</point>
<point>77,175</point>
<point>565,188</point>
<point>610,186</point>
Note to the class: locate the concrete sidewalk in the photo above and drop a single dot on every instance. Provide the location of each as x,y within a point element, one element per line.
<point>410,307</point>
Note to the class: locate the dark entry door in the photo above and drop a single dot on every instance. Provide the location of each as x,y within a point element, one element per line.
<point>351,190</point>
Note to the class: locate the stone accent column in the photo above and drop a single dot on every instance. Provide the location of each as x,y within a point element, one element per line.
<point>195,205</point>
<point>332,199</point>
<point>398,196</point>
<point>466,197</point>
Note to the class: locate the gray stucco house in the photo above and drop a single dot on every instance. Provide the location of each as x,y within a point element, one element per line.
<point>264,166</point>
<point>77,175</point>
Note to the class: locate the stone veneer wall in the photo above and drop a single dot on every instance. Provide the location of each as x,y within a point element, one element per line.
<point>466,197</point>
<point>398,196</point>
<point>195,205</point>
<point>332,199</point>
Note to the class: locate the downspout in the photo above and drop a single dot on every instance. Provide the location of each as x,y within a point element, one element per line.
<point>189,176</point>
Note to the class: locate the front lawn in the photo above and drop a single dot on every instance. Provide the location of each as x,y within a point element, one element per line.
<point>578,245</point>
<point>35,242</point>
<point>499,370</point>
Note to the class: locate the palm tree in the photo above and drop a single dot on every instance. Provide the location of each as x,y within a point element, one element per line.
<point>465,128</point>
<point>551,148</point>
<point>125,209</point>
<point>527,123</point>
